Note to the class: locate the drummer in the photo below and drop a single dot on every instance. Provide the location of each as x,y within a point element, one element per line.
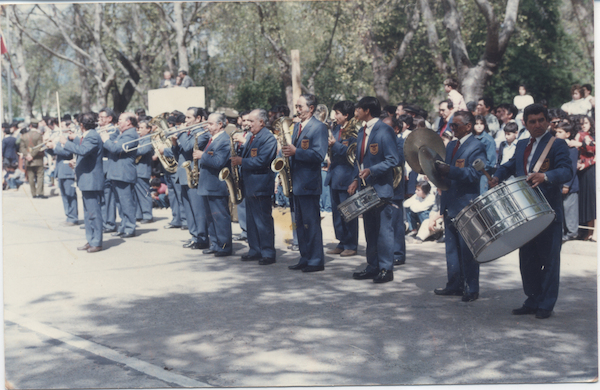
<point>540,257</point>
<point>463,182</point>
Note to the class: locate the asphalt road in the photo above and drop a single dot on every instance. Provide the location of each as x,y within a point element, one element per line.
<point>146,312</point>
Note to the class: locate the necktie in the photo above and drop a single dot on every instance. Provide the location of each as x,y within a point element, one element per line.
<point>340,134</point>
<point>455,149</point>
<point>527,153</point>
<point>362,150</point>
<point>299,131</point>
<point>251,139</point>
<point>208,144</point>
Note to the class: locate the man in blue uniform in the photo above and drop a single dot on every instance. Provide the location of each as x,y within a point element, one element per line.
<point>66,182</point>
<point>90,178</point>
<point>257,178</point>
<point>106,119</point>
<point>376,157</point>
<point>122,172</point>
<point>307,152</point>
<point>463,182</point>
<point>143,166</point>
<point>339,177</point>
<point>211,160</point>
<point>540,257</point>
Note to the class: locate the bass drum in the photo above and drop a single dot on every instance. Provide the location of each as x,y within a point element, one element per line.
<point>359,203</point>
<point>504,219</point>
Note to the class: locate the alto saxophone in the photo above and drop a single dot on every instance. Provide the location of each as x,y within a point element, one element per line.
<point>232,177</point>
<point>281,165</point>
<point>192,173</point>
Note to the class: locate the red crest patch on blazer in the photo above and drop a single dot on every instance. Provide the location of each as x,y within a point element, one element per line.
<point>374,148</point>
<point>210,153</point>
<point>460,163</point>
<point>253,152</point>
<point>345,143</point>
<point>545,165</point>
<point>305,143</point>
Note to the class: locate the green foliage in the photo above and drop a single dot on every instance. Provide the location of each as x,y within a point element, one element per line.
<point>263,93</point>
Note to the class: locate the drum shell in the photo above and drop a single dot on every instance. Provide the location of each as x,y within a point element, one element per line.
<point>503,219</point>
<point>358,203</point>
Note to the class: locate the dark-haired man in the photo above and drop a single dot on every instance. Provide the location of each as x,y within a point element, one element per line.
<point>65,174</point>
<point>484,108</point>
<point>339,177</point>
<point>540,257</point>
<point>106,121</point>
<point>122,172</point>
<point>143,166</point>
<point>376,157</point>
<point>307,152</point>
<point>90,178</point>
<point>463,182</point>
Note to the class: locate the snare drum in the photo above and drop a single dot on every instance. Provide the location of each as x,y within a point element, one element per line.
<point>359,203</point>
<point>504,219</point>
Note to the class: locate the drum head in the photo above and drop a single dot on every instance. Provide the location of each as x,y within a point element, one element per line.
<point>515,238</point>
<point>427,159</point>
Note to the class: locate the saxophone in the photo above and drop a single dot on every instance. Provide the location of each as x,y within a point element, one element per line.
<point>281,165</point>
<point>193,173</point>
<point>232,177</point>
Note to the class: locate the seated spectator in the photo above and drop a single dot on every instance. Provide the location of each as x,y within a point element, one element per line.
<point>457,99</point>
<point>434,225</point>
<point>186,81</point>
<point>418,207</point>
<point>159,194</point>
<point>167,81</point>
<point>13,177</point>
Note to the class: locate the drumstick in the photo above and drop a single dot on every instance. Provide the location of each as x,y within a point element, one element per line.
<point>479,165</point>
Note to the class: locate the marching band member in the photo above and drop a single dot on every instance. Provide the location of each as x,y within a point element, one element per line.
<point>143,169</point>
<point>307,152</point>
<point>192,201</point>
<point>122,172</point>
<point>65,174</point>
<point>90,178</point>
<point>376,157</point>
<point>240,139</point>
<point>339,177</point>
<point>106,118</point>
<point>257,177</point>
<point>179,218</point>
<point>540,257</point>
<point>463,180</point>
<point>211,160</point>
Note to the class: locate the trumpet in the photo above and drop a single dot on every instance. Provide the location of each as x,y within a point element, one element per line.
<point>164,133</point>
<point>109,129</point>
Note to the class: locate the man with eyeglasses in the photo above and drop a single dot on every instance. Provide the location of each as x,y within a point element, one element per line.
<point>463,182</point>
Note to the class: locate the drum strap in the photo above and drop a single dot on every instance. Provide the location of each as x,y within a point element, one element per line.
<point>540,160</point>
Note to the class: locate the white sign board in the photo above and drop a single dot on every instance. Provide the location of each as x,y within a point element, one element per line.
<point>171,99</point>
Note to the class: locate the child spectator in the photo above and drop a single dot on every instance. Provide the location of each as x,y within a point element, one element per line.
<point>482,133</point>
<point>159,194</point>
<point>565,130</point>
<point>434,225</point>
<point>508,147</point>
<point>418,206</point>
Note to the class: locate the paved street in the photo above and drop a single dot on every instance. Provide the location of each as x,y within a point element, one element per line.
<point>146,312</point>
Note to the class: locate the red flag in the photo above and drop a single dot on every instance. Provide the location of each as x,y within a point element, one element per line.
<point>2,46</point>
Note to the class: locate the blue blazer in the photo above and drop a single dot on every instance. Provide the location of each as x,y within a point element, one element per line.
<point>106,161</point>
<point>339,176</point>
<point>381,156</point>
<point>144,167</point>
<point>462,179</point>
<point>63,170</point>
<point>216,157</point>
<point>257,177</point>
<point>557,167</point>
<point>122,165</point>
<point>399,191</point>
<point>311,148</point>
<point>88,170</point>
<point>573,184</point>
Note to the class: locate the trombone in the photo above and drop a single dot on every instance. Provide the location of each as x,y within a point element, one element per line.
<point>165,133</point>
<point>109,129</point>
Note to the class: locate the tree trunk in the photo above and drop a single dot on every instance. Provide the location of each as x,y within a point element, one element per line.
<point>584,11</point>
<point>432,37</point>
<point>180,36</point>
<point>21,82</point>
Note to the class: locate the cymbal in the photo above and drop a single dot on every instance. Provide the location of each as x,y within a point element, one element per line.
<point>418,138</point>
<point>427,159</point>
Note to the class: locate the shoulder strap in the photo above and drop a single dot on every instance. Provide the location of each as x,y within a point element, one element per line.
<point>540,160</point>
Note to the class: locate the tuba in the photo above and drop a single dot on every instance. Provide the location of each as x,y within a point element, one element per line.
<point>159,139</point>
<point>232,177</point>
<point>191,167</point>
<point>281,165</point>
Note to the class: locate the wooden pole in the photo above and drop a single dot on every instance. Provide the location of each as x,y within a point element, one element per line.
<point>296,79</point>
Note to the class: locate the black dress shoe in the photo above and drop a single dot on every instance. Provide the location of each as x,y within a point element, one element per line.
<point>42,197</point>
<point>189,244</point>
<point>169,226</point>
<point>209,251</point>
<point>364,274</point>
<point>267,261</point>
<point>247,257</point>
<point>399,261</point>
<point>143,221</point>
<point>524,310</point>
<point>447,292</point>
<point>222,254</point>
<point>313,268</point>
<point>199,245</point>
<point>127,235</point>
<point>384,276</point>
<point>542,314</point>
<point>117,234</point>
<point>184,228</point>
<point>298,266</point>
<point>109,230</point>
<point>470,297</point>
